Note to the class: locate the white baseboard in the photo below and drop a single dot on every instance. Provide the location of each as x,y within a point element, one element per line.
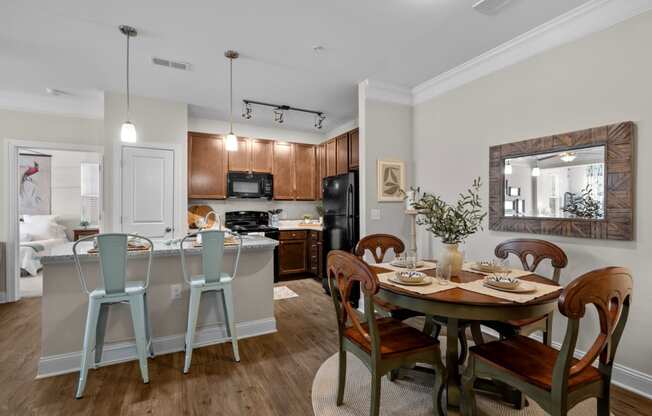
<point>54,365</point>
<point>628,378</point>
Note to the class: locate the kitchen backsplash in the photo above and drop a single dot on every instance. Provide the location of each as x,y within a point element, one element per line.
<point>292,210</point>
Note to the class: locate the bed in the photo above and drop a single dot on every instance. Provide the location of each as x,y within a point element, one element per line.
<point>38,233</point>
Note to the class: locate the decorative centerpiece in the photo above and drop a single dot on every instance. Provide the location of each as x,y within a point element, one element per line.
<point>84,224</point>
<point>452,223</point>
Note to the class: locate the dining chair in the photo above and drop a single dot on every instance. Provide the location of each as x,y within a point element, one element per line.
<point>112,249</point>
<point>531,252</point>
<point>554,378</point>
<point>212,279</point>
<point>382,344</point>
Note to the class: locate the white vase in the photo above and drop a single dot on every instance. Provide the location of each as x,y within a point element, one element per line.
<point>451,257</point>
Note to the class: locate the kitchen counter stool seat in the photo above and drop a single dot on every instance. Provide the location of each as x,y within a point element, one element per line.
<point>212,279</point>
<point>112,251</point>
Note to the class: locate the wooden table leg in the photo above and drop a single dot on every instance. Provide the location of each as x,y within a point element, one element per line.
<point>452,364</point>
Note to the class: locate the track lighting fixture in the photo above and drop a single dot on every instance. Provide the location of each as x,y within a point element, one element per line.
<point>279,116</point>
<point>247,111</point>
<point>280,111</point>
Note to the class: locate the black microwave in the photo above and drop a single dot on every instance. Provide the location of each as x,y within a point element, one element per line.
<point>250,185</point>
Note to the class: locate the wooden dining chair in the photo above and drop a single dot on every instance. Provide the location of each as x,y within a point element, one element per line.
<point>552,378</point>
<point>382,344</point>
<point>378,245</point>
<point>531,252</point>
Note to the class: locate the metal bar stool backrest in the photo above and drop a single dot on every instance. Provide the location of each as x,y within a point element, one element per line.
<point>212,255</point>
<point>112,250</point>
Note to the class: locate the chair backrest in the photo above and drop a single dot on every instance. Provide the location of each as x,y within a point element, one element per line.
<point>378,245</point>
<point>212,255</point>
<point>112,249</point>
<point>343,270</point>
<point>537,250</point>
<point>610,291</point>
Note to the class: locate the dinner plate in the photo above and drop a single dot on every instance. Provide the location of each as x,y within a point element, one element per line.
<point>424,282</point>
<point>524,287</point>
<point>487,269</point>
<point>402,264</point>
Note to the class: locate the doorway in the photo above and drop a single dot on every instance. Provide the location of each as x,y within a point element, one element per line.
<point>54,196</point>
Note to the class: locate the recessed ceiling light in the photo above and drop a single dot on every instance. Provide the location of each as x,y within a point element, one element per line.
<point>318,48</point>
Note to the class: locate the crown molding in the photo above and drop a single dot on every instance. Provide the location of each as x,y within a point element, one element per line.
<point>389,93</point>
<point>591,17</point>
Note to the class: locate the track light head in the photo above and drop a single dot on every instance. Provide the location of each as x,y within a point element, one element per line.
<point>319,120</point>
<point>247,111</point>
<point>279,115</point>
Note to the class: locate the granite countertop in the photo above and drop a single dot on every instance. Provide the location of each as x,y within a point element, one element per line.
<point>63,252</point>
<point>291,225</point>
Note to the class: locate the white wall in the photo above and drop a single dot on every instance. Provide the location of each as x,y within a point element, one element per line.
<point>598,80</point>
<point>386,134</point>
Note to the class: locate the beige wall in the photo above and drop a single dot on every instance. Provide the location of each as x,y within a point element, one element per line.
<point>387,130</point>
<point>601,79</point>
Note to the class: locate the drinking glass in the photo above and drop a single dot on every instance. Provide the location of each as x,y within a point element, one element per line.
<point>443,274</point>
<point>411,260</point>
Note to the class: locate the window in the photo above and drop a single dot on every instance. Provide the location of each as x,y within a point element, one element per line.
<point>90,192</point>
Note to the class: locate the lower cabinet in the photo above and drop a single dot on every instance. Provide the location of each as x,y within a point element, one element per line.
<point>300,252</point>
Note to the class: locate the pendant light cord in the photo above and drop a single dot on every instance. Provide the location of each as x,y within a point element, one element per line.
<point>231,95</point>
<point>128,91</point>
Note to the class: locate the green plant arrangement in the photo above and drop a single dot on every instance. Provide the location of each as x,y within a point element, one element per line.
<point>452,223</point>
<point>84,224</point>
<point>583,205</point>
<point>320,209</point>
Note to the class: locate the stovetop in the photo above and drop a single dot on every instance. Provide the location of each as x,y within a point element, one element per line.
<point>248,221</point>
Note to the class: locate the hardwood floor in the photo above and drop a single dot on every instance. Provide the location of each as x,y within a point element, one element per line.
<point>274,376</point>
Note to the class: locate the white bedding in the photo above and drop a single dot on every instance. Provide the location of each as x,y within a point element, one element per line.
<point>30,259</point>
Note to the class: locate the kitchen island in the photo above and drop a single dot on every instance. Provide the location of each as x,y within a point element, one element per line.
<point>64,303</point>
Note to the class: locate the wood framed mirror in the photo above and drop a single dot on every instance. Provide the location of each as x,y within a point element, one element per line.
<point>577,184</point>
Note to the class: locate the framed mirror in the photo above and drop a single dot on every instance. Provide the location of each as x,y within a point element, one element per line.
<point>577,184</point>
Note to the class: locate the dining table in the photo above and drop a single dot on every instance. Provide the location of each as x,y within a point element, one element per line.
<point>460,306</point>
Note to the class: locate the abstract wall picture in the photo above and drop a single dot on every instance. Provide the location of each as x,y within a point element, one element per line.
<point>391,180</point>
<point>35,176</point>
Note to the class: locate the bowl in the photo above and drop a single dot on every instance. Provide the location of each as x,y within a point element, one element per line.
<point>505,282</point>
<point>411,276</point>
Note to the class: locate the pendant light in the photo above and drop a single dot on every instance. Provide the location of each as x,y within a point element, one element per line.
<point>536,171</point>
<point>231,143</point>
<point>128,130</point>
<point>508,167</point>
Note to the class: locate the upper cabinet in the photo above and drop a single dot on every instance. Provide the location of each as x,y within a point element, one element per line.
<point>253,155</point>
<point>304,171</point>
<point>321,170</point>
<point>262,155</point>
<point>342,146</point>
<point>240,160</point>
<point>207,162</point>
<point>354,145</point>
<point>331,157</point>
<point>283,170</point>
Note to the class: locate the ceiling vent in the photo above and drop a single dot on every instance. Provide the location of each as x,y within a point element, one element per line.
<point>184,66</point>
<point>490,6</point>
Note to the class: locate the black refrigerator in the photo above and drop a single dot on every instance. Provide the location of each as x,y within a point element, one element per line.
<point>341,216</point>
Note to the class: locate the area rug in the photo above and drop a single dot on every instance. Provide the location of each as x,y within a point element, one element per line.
<point>402,397</point>
<point>284,292</point>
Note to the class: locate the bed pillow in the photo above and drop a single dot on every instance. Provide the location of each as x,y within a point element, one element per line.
<point>41,227</point>
<point>40,218</point>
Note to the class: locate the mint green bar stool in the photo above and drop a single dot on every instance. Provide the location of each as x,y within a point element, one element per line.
<point>213,279</point>
<point>113,251</point>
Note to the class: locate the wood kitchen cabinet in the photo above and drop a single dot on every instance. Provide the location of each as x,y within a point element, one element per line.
<point>207,165</point>
<point>240,160</point>
<point>321,170</point>
<point>354,146</point>
<point>283,171</point>
<point>342,148</point>
<point>292,252</point>
<point>305,171</point>
<point>315,253</point>
<point>262,155</point>
<point>331,157</point>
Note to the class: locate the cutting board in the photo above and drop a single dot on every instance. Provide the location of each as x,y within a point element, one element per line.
<point>196,212</point>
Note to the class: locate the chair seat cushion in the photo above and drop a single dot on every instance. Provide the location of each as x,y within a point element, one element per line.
<point>131,288</point>
<point>530,361</point>
<point>395,337</point>
<point>200,280</point>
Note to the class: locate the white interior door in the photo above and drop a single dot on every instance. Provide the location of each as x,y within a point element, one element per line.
<point>148,192</point>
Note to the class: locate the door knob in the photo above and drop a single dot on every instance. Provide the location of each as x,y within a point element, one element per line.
<point>168,229</point>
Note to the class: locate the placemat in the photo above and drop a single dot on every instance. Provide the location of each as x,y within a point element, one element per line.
<point>478,286</point>
<point>515,273</point>
<point>433,287</point>
<point>427,265</point>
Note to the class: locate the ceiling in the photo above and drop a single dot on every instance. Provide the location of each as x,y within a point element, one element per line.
<point>74,45</point>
